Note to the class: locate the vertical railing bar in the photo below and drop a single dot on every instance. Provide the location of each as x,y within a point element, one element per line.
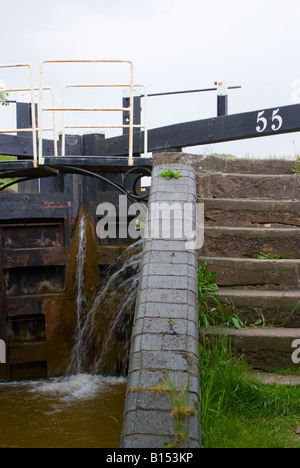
<point>34,142</point>
<point>130,148</point>
<point>41,159</point>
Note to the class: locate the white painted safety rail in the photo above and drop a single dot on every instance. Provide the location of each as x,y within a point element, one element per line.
<point>65,109</point>
<point>31,129</point>
<point>122,109</point>
<point>51,129</point>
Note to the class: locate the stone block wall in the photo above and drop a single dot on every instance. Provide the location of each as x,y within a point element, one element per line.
<point>162,402</point>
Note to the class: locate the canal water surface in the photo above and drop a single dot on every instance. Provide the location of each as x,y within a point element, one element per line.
<point>80,411</point>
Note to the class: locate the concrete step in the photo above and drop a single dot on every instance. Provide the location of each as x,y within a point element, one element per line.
<point>253,186</point>
<point>254,273</point>
<point>264,348</point>
<point>276,308</point>
<point>249,242</point>
<point>251,213</point>
<point>269,378</point>
<point>228,165</point>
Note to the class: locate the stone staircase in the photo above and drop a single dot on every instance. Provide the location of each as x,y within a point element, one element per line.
<point>252,207</point>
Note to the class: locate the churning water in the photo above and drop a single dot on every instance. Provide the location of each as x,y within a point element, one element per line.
<point>81,411</point>
<point>83,408</point>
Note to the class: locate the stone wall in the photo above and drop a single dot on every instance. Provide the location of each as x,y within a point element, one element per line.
<point>162,402</point>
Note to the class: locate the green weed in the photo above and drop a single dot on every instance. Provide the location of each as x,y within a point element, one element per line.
<point>4,98</point>
<point>7,181</point>
<point>212,312</point>
<point>269,256</point>
<point>139,225</point>
<point>169,174</point>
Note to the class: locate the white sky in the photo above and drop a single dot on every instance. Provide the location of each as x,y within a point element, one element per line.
<point>175,45</point>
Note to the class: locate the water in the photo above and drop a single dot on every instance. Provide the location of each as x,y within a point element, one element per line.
<point>102,322</point>
<point>78,353</point>
<point>81,411</point>
<point>117,299</point>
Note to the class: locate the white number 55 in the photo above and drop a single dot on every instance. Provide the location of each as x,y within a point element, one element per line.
<point>263,123</point>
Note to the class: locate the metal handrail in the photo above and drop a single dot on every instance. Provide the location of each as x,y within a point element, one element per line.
<point>64,108</point>
<point>52,129</point>
<point>123,109</point>
<point>33,125</point>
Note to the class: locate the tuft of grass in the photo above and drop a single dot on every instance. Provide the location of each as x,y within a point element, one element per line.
<point>169,174</point>
<point>4,97</point>
<point>139,225</point>
<point>181,408</point>
<point>239,411</point>
<point>225,155</point>
<point>296,170</point>
<point>206,282</point>
<point>7,180</point>
<point>211,310</point>
<point>269,256</point>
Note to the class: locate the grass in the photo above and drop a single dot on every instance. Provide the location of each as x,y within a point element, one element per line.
<point>7,180</point>
<point>169,174</point>
<point>225,155</point>
<point>180,407</point>
<point>296,170</point>
<point>212,312</point>
<point>238,411</point>
<point>269,256</point>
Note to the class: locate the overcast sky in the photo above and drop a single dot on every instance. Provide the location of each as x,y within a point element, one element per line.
<point>175,45</point>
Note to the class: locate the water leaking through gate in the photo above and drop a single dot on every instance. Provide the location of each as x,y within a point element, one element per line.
<point>103,330</point>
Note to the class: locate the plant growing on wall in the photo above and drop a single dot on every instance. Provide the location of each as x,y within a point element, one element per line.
<point>269,256</point>
<point>169,174</point>
<point>4,97</point>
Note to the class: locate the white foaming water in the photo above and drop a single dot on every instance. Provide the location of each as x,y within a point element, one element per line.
<point>80,411</point>
<point>74,387</point>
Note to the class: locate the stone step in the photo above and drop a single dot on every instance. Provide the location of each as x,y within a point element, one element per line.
<point>254,273</point>
<point>250,242</point>
<point>264,348</point>
<point>253,186</point>
<point>269,378</point>
<point>251,213</point>
<point>276,308</point>
<point>228,165</point>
